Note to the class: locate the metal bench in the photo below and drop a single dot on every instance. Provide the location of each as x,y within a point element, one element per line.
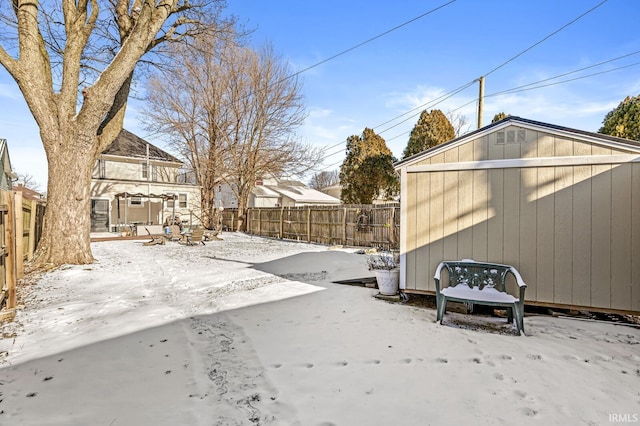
<point>480,283</point>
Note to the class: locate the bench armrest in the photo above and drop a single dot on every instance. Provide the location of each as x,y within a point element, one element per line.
<point>520,281</point>
<point>438,270</point>
<point>517,276</point>
<point>436,277</point>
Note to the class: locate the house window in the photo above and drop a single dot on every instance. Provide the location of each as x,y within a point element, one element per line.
<point>102,169</point>
<point>154,173</point>
<point>135,202</point>
<point>182,201</point>
<point>145,171</point>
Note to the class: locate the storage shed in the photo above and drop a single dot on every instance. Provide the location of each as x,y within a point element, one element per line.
<point>561,205</point>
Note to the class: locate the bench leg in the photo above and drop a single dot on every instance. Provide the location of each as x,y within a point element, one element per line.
<point>518,310</point>
<point>521,306</point>
<point>441,308</point>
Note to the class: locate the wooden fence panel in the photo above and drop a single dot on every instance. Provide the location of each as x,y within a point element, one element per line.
<point>353,225</point>
<point>8,252</point>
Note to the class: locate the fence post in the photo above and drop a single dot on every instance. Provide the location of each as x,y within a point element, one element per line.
<point>344,226</point>
<point>32,230</point>
<point>392,226</point>
<point>281,222</point>
<point>19,232</point>
<point>10,243</point>
<point>309,224</point>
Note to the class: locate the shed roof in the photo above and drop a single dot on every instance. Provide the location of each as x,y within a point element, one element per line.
<point>592,137</point>
<point>127,144</point>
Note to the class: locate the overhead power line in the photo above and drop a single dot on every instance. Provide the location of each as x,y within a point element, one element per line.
<point>546,38</point>
<point>371,39</point>
<point>440,100</point>
<point>521,88</point>
<point>424,105</point>
<point>536,83</point>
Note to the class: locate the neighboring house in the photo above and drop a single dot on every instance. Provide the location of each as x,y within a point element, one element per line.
<point>135,182</point>
<point>561,205</point>
<point>273,192</point>
<point>6,173</point>
<point>334,190</point>
<point>30,194</point>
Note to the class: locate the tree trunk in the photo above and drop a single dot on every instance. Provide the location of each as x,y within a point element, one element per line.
<point>242,215</point>
<point>67,224</point>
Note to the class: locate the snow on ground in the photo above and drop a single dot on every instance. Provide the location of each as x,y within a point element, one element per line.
<point>252,331</point>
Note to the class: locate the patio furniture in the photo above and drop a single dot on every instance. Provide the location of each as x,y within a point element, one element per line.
<point>174,233</point>
<point>155,239</point>
<point>480,283</point>
<point>194,237</point>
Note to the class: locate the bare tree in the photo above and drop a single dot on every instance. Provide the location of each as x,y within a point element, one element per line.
<point>325,179</point>
<point>73,61</point>
<point>459,122</point>
<point>233,112</point>
<point>187,107</point>
<point>28,181</point>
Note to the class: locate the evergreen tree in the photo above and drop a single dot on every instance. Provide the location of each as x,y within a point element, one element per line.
<point>367,171</point>
<point>499,116</point>
<point>433,128</point>
<point>624,120</point>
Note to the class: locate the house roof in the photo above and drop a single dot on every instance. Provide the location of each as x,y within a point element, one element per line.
<point>264,192</point>
<point>523,122</point>
<point>300,193</point>
<point>129,145</point>
<point>28,194</point>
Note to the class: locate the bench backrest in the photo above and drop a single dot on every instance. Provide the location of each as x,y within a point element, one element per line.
<point>477,274</point>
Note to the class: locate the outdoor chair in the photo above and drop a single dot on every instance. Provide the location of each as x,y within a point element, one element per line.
<point>174,233</point>
<point>155,239</point>
<point>194,238</point>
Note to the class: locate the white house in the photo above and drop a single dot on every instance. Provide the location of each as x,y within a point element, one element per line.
<point>137,183</point>
<point>273,192</point>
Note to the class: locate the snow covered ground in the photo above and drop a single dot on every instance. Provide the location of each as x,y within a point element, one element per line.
<point>252,331</point>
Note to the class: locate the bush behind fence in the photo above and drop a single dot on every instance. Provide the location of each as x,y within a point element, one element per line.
<point>369,225</point>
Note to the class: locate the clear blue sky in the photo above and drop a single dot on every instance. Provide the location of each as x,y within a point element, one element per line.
<point>417,63</point>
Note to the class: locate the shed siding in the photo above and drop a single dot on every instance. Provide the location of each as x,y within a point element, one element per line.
<point>528,225</point>
<point>620,238</point>
<point>422,239</point>
<point>581,247</point>
<point>635,237</point>
<point>410,201</point>
<point>536,144</point>
<point>565,228</point>
<point>571,226</point>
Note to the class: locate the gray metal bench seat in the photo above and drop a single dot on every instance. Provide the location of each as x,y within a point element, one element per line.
<point>480,283</point>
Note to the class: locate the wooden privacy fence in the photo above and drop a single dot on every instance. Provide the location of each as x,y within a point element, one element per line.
<point>20,230</point>
<point>32,220</point>
<point>368,225</point>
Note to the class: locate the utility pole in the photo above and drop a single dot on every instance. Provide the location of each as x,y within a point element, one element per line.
<point>480,101</point>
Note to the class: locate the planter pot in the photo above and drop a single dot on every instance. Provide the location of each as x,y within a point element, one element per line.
<point>388,281</point>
